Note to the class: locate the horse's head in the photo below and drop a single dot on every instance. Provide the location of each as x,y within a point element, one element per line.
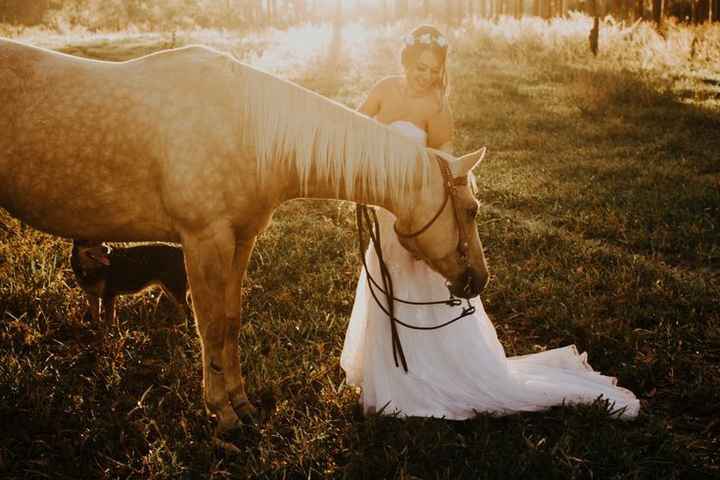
<point>439,227</point>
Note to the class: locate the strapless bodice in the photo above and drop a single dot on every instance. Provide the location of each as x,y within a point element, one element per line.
<point>410,130</point>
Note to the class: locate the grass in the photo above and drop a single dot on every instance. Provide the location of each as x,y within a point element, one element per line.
<point>601,200</point>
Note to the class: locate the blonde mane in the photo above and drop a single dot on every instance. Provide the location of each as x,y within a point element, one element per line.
<point>285,123</point>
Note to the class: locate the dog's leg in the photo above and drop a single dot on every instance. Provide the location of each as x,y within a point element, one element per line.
<point>176,289</point>
<point>109,317</point>
<point>93,309</point>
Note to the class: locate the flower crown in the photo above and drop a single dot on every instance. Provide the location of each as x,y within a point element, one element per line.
<point>425,39</point>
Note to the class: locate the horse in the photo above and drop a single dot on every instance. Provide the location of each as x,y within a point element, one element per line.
<point>192,146</point>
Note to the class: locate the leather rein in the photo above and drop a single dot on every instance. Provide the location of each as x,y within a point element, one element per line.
<point>367,216</point>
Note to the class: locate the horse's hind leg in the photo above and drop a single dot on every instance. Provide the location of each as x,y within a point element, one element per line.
<point>213,273</point>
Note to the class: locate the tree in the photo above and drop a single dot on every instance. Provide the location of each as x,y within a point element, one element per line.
<point>401,9</point>
<point>595,36</point>
<point>23,12</point>
<point>658,12</point>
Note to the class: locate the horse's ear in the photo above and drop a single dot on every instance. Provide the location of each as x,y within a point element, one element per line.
<point>467,162</point>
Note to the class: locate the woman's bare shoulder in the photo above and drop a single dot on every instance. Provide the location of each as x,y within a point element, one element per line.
<point>389,83</point>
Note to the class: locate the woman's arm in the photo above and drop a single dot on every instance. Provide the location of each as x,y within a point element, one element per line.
<point>441,129</point>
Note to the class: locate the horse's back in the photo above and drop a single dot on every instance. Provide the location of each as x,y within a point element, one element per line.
<point>82,134</point>
<point>118,144</point>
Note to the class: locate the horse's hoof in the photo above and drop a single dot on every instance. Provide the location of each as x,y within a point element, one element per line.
<point>246,410</point>
<point>228,421</point>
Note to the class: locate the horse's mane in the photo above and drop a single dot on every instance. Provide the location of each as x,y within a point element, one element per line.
<point>288,123</point>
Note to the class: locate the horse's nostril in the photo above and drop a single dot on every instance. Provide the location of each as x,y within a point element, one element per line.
<point>469,284</point>
<point>475,282</point>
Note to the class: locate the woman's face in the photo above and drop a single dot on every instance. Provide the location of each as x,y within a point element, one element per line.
<point>424,73</point>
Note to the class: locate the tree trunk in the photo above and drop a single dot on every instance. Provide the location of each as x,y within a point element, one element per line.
<point>641,9</point>
<point>454,13</point>
<point>338,12</point>
<point>628,9</point>
<point>301,13</point>
<point>594,36</point>
<point>401,9</point>
<point>711,10</point>
<point>693,12</point>
<point>658,12</point>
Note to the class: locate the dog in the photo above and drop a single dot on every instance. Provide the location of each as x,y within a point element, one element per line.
<point>103,273</point>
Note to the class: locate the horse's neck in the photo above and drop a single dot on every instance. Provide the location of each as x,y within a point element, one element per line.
<point>321,186</point>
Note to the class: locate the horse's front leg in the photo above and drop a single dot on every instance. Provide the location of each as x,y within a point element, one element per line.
<point>234,380</point>
<point>216,265</point>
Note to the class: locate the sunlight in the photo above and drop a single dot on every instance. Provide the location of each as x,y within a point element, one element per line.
<point>298,47</point>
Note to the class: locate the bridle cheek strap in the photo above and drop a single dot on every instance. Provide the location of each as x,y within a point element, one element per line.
<point>450,185</point>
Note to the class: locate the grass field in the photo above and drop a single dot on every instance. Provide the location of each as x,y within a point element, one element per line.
<point>600,219</point>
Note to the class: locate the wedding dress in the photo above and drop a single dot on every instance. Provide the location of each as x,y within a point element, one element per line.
<point>461,369</point>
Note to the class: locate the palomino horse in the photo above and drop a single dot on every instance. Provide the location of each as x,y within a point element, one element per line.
<point>192,146</point>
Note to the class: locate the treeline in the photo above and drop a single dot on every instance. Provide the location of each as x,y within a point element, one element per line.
<point>184,14</point>
<point>694,11</point>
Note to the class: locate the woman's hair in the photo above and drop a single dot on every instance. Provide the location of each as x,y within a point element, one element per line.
<point>426,37</point>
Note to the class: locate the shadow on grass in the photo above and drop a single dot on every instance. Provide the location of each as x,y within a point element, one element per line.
<point>607,154</point>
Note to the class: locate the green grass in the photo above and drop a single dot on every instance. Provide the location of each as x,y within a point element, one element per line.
<point>601,195</point>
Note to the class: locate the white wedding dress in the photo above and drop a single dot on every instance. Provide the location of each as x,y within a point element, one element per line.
<point>461,369</point>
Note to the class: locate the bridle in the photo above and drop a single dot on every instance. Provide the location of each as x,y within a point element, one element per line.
<point>367,216</point>
<point>450,185</point>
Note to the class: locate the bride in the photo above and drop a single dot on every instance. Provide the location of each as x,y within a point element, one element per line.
<point>459,370</point>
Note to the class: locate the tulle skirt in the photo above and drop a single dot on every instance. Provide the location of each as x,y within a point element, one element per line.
<point>459,370</point>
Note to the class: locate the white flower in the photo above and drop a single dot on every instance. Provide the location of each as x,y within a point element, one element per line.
<point>440,40</point>
<point>409,40</point>
<point>426,39</point>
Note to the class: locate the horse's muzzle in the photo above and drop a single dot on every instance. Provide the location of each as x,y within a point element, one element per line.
<point>469,284</point>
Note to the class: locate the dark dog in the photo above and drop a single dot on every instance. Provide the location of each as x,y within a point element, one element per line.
<point>104,273</point>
